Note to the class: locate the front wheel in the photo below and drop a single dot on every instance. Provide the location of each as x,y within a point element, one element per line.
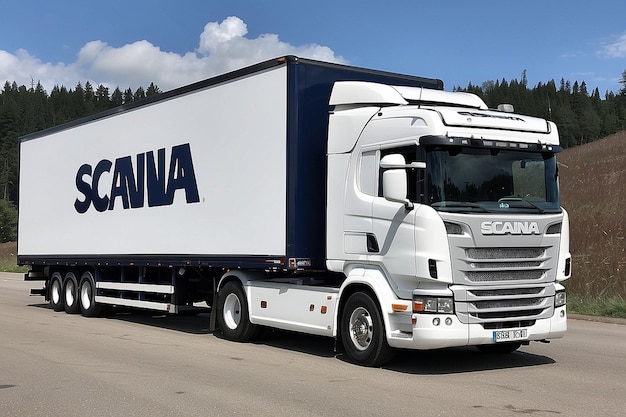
<point>363,331</point>
<point>232,313</point>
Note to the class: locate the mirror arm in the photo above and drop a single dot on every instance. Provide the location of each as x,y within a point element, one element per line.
<point>412,165</point>
<point>408,204</point>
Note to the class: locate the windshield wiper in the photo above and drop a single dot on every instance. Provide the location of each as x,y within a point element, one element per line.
<point>459,205</point>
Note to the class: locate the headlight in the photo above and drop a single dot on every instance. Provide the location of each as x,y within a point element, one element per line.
<point>559,299</point>
<point>443,305</point>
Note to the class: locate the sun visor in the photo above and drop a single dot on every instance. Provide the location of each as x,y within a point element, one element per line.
<point>493,120</point>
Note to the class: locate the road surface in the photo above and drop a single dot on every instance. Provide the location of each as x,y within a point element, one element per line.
<point>145,364</point>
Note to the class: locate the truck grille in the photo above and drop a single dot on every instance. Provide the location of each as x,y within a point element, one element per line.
<point>504,264</point>
<point>504,253</point>
<point>495,307</point>
<point>503,282</point>
<point>501,304</point>
<point>500,287</point>
<point>504,276</point>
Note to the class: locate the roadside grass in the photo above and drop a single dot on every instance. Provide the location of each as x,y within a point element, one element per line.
<point>11,266</point>
<point>8,258</point>
<point>614,306</point>
<point>593,191</point>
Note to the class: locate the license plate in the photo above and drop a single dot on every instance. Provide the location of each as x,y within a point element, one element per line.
<point>510,335</point>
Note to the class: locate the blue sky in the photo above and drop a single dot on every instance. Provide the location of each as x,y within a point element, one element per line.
<point>172,43</point>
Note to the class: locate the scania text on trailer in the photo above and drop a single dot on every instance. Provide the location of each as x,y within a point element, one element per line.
<point>370,207</point>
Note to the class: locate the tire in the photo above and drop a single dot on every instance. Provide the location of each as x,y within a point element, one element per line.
<point>70,293</point>
<point>499,348</point>
<point>56,292</point>
<point>232,314</point>
<point>87,296</point>
<point>363,332</point>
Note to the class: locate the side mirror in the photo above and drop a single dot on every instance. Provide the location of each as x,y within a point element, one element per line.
<point>395,181</point>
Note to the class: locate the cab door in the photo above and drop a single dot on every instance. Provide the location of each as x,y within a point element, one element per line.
<point>393,225</point>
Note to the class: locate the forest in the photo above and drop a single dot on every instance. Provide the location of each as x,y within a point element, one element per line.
<point>581,117</point>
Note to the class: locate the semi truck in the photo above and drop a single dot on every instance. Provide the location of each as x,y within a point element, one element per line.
<point>370,207</point>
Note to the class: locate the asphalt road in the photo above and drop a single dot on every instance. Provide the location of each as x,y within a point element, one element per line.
<point>54,364</point>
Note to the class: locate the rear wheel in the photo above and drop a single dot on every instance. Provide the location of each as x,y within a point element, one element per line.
<point>70,293</point>
<point>232,313</point>
<point>363,331</point>
<point>87,295</point>
<point>56,292</point>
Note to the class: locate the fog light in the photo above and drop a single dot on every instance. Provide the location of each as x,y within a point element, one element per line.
<point>448,321</point>
<point>436,321</point>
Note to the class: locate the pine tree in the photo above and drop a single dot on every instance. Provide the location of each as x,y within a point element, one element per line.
<point>117,98</point>
<point>101,98</point>
<point>152,90</point>
<point>140,93</point>
<point>128,96</point>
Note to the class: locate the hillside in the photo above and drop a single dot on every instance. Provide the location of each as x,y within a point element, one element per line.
<point>593,191</point>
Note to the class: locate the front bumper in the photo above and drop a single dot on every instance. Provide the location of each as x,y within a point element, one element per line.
<point>426,334</point>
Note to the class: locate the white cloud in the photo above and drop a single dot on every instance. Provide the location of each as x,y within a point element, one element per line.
<point>222,47</point>
<point>25,68</point>
<point>216,34</point>
<point>616,49</point>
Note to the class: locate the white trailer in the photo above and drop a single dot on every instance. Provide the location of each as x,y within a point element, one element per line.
<point>371,207</point>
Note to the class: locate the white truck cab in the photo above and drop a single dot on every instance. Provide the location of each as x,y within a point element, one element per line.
<point>452,210</point>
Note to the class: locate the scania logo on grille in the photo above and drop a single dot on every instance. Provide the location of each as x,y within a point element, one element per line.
<point>509,228</point>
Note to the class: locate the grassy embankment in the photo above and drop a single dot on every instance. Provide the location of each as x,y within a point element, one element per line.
<point>8,258</point>
<point>593,190</point>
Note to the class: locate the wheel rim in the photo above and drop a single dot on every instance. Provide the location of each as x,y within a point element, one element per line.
<point>56,291</point>
<point>70,290</point>
<point>85,295</point>
<point>232,311</point>
<point>361,328</point>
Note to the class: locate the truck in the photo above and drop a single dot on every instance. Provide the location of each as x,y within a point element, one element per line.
<point>367,206</point>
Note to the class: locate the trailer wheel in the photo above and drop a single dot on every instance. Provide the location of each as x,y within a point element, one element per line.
<point>70,293</point>
<point>87,296</point>
<point>56,292</point>
<point>232,313</point>
<point>499,348</point>
<point>363,331</point>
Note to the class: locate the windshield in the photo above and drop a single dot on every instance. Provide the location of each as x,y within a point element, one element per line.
<point>470,179</point>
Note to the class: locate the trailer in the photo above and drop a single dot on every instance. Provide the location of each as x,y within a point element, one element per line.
<point>367,206</point>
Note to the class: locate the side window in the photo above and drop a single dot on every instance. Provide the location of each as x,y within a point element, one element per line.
<point>415,177</point>
<point>367,173</point>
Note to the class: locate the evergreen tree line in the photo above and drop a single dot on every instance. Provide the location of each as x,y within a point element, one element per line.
<point>26,110</point>
<point>581,117</point>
